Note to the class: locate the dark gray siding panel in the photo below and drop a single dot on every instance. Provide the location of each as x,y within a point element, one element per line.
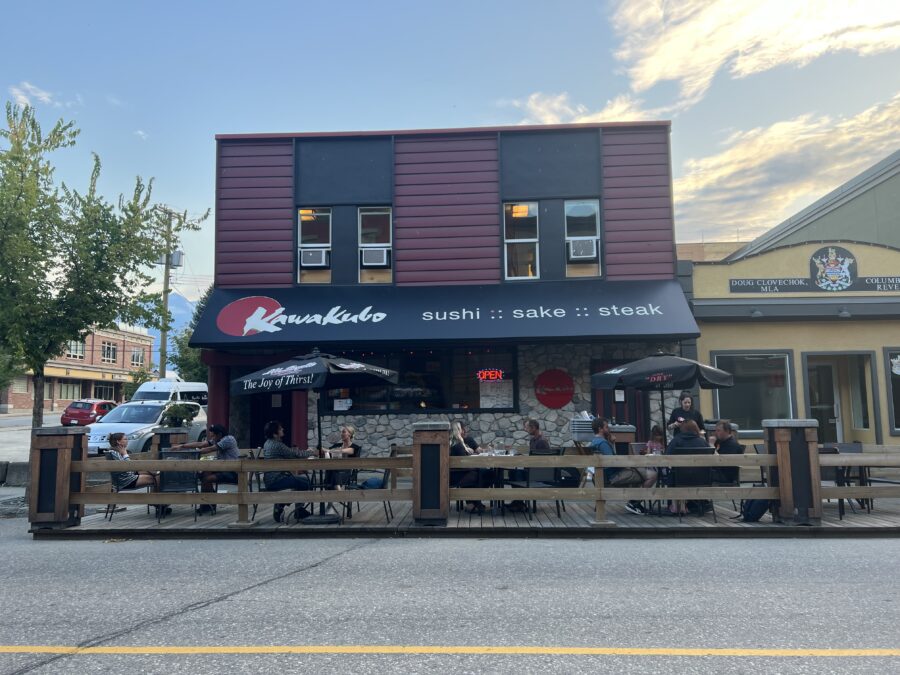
<point>446,210</point>
<point>550,164</point>
<point>254,213</point>
<point>638,230</point>
<point>344,171</point>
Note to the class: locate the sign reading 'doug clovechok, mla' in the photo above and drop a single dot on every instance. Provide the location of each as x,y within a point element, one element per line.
<point>831,269</point>
<point>519,311</point>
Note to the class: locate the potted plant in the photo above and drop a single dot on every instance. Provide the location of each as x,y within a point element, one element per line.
<point>179,415</point>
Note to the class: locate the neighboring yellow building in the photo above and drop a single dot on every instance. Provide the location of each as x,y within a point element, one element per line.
<point>807,316</point>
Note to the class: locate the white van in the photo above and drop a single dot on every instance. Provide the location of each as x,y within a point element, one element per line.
<point>172,390</point>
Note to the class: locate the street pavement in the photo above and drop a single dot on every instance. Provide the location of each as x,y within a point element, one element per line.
<point>533,601</point>
<point>15,435</point>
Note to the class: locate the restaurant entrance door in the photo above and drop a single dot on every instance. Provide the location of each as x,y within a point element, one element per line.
<point>824,401</point>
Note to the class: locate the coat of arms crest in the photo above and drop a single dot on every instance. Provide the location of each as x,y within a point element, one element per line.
<point>832,268</point>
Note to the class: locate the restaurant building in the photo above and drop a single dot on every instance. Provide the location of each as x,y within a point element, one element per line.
<point>494,268</point>
<point>807,316</point>
<point>96,367</point>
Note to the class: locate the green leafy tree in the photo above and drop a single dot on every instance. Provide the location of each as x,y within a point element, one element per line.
<point>138,377</point>
<point>69,261</point>
<point>184,358</point>
<point>10,367</point>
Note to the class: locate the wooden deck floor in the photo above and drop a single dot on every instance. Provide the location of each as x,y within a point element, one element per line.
<point>575,521</point>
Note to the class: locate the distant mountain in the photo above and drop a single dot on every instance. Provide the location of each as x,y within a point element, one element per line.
<point>182,311</point>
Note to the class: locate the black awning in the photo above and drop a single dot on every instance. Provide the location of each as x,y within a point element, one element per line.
<point>561,310</point>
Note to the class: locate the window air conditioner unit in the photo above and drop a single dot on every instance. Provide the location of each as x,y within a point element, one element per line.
<point>582,249</point>
<point>314,257</point>
<point>375,257</point>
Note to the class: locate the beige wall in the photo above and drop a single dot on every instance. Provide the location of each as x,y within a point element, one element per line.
<point>844,337</point>
<point>712,280</point>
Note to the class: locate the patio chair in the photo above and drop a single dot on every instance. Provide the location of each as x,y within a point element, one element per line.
<point>836,475</point>
<point>385,484</point>
<point>541,477</point>
<point>693,476</point>
<point>111,508</point>
<point>760,449</point>
<point>178,481</point>
<point>729,476</point>
<point>862,478</point>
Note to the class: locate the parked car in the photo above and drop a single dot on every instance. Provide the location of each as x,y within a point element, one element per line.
<point>85,411</point>
<point>136,420</point>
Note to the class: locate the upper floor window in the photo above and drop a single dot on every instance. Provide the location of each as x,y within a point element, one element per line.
<point>75,349</point>
<point>582,238</point>
<point>520,236</point>
<point>375,242</point>
<point>137,357</point>
<point>108,352</point>
<point>314,245</point>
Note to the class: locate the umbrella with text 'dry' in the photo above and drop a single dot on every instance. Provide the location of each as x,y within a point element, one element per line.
<point>660,372</point>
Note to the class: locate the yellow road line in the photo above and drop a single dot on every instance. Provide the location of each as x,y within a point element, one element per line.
<point>478,650</point>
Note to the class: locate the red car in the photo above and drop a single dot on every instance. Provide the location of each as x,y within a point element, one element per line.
<point>85,411</point>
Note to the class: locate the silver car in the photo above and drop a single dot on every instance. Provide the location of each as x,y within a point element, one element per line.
<point>137,420</point>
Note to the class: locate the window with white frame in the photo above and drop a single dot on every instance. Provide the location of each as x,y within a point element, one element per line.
<point>762,389</point>
<point>75,349</point>
<point>893,364</point>
<point>20,385</point>
<point>375,242</point>
<point>109,352</point>
<point>582,238</point>
<point>137,357</point>
<point>520,237</point>
<point>314,245</point>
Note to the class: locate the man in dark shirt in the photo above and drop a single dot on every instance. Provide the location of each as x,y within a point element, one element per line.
<point>726,444</point>
<point>536,439</point>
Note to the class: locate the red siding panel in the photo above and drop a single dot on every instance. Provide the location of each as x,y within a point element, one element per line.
<point>447,199</point>
<point>254,213</point>
<point>637,205</point>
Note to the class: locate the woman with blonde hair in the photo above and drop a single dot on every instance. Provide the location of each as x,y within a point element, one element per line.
<point>464,478</point>
<point>346,448</point>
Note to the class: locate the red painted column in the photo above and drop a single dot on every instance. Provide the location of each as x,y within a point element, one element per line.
<point>299,420</point>
<point>219,395</point>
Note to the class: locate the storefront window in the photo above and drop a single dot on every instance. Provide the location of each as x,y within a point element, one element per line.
<point>434,380</point>
<point>761,389</point>
<point>69,389</point>
<point>894,368</point>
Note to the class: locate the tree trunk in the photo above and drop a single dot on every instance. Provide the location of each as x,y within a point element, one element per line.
<point>37,410</point>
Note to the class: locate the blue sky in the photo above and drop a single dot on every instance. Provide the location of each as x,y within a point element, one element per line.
<point>772,103</point>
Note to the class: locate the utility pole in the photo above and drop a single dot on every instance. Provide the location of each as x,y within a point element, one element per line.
<point>167,268</point>
<point>168,259</point>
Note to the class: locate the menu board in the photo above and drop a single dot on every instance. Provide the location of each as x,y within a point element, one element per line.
<point>495,393</point>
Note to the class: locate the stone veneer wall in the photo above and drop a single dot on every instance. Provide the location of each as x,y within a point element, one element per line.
<point>375,433</point>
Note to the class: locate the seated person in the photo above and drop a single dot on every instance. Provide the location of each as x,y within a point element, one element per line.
<point>275,448</point>
<point>465,478</point>
<point>726,444</point>
<point>689,437</point>
<point>225,446</point>
<point>129,480</point>
<point>602,445</point>
<point>346,448</point>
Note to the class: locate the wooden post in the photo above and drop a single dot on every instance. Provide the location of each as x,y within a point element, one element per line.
<point>53,449</point>
<point>431,472</point>
<point>797,474</point>
<point>243,508</point>
<point>600,519</point>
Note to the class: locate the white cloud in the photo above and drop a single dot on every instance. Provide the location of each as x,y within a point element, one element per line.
<point>689,41</point>
<point>541,108</point>
<point>764,175</point>
<point>26,93</point>
<point>112,99</point>
<point>141,134</point>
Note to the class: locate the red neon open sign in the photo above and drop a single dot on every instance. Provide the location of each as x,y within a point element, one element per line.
<point>489,374</point>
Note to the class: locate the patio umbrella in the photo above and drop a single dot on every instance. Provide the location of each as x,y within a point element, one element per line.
<point>660,372</point>
<point>314,371</point>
